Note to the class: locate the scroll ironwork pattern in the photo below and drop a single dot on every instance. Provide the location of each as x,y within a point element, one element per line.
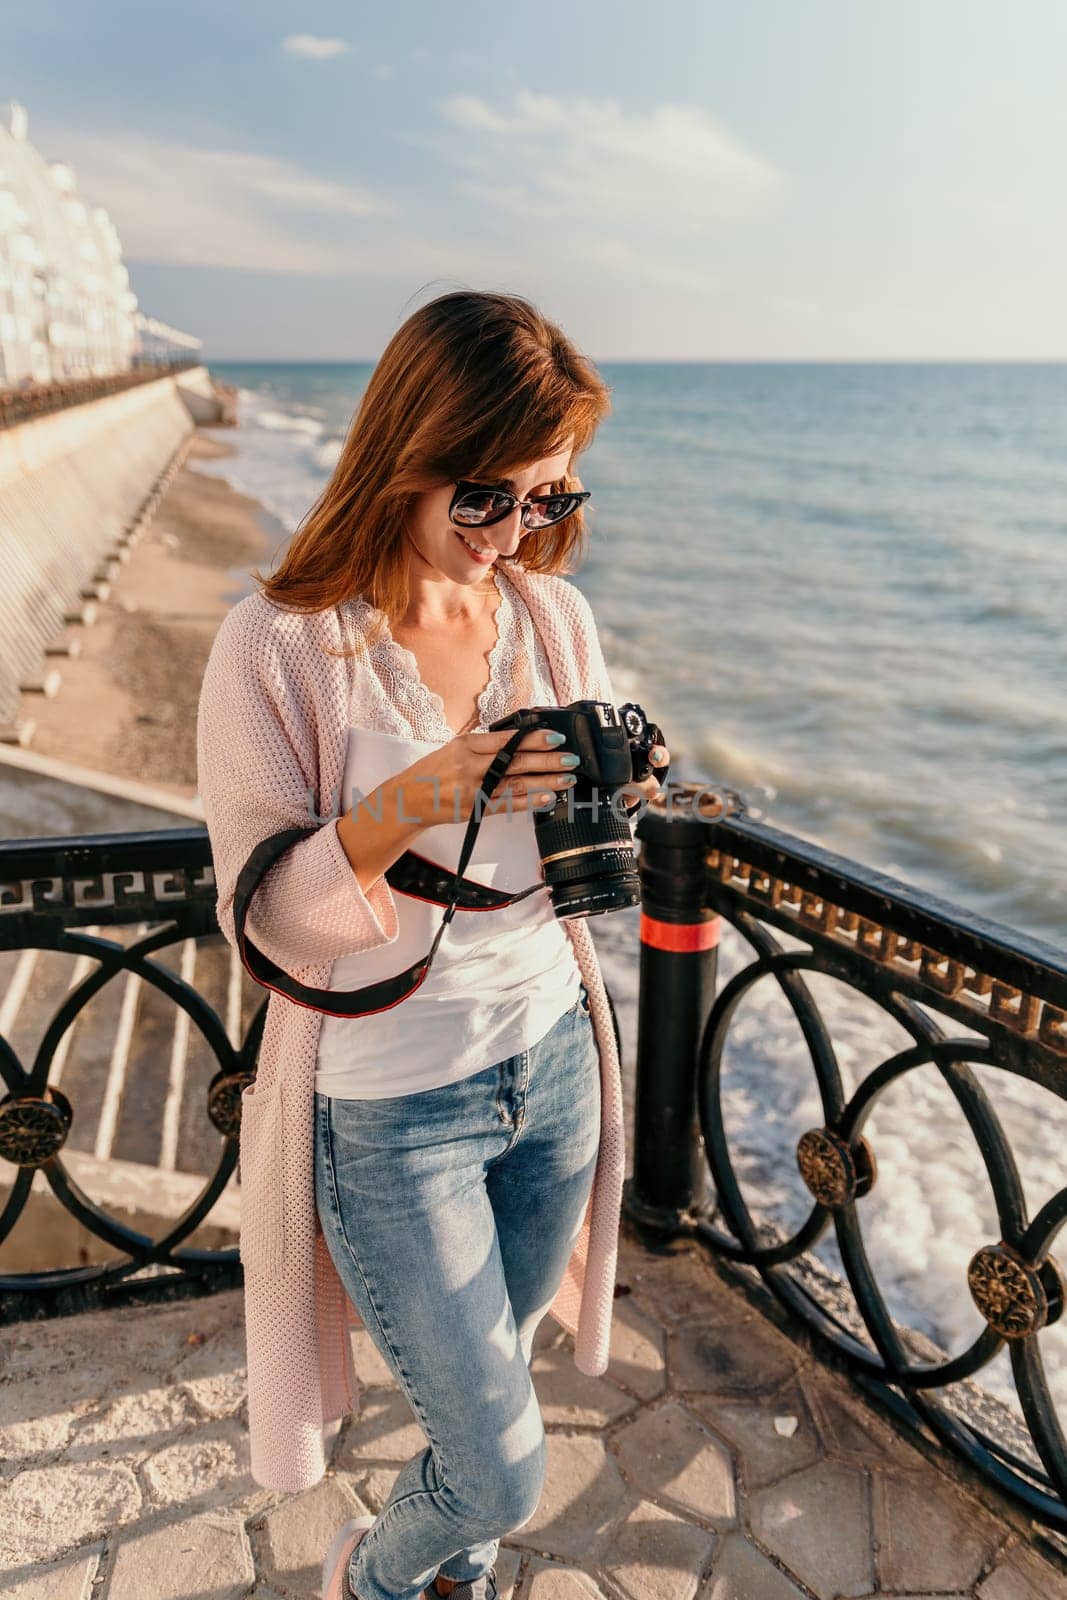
<point>923,962</point>
<point>53,895</point>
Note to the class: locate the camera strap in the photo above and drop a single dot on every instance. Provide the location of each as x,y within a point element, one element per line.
<point>410,874</point>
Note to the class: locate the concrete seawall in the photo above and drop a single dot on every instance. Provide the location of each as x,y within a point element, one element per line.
<point>73,487</point>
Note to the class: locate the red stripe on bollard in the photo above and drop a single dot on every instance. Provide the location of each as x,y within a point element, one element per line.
<point>680,936</point>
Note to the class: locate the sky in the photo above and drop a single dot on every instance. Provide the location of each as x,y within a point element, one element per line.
<point>783,180</point>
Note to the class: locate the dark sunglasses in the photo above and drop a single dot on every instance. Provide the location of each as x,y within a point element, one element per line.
<point>478,505</point>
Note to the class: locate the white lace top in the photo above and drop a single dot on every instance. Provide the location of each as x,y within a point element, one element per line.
<point>500,979</point>
<point>519,675</point>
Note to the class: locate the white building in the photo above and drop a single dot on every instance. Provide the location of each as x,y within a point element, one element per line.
<point>66,307</point>
<point>156,342</point>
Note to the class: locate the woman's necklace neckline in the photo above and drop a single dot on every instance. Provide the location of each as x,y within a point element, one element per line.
<point>411,663</point>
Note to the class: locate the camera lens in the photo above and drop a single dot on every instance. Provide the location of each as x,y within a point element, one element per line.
<point>587,854</point>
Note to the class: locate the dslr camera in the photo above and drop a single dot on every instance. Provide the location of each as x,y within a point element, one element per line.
<point>584,839</point>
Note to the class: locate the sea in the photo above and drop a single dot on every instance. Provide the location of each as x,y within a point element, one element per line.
<point>841,590</point>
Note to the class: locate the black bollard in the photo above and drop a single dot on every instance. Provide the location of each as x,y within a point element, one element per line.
<point>678,972</point>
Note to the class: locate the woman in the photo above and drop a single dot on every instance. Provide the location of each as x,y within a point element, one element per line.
<point>448,1169</point>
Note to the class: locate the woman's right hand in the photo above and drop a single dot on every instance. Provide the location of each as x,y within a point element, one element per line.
<point>442,786</point>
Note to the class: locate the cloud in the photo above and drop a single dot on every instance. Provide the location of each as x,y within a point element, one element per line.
<point>221,207</point>
<point>621,260</point>
<point>312,47</point>
<point>544,159</point>
<point>214,206</point>
<point>549,192</point>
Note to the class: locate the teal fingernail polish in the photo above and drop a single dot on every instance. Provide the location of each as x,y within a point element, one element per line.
<point>568,760</point>
<point>554,737</point>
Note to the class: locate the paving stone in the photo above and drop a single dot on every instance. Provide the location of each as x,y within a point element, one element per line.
<point>741,1572</point>
<point>1022,1575</point>
<point>374,1485</point>
<point>102,1350</point>
<point>667,1453</point>
<point>64,1347</point>
<point>853,1432</point>
<point>549,1581</point>
<point>818,1523</point>
<point>48,1511</point>
<point>930,1536</point>
<point>637,1357</point>
<point>132,1425</point>
<point>219,1394</point>
<point>668,1286</point>
<point>749,1427</point>
<point>568,1398</point>
<point>211,1463</point>
<point>213,1367</point>
<point>655,1555</point>
<point>206,1555</point>
<point>372,1369</point>
<point>584,1494</point>
<point>293,1539</point>
<point>38,1415</point>
<point>214,1318</point>
<point>507,1571</point>
<point>385,1430</point>
<point>27,1357</point>
<point>549,1332</point>
<point>71,1579</point>
<point>740,1358</point>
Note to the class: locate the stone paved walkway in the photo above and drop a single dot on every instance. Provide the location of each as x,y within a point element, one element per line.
<point>716,1460</point>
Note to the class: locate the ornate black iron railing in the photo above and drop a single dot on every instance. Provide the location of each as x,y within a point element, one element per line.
<point>704,859</point>
<point>909,952</point>
<point>52,892</point>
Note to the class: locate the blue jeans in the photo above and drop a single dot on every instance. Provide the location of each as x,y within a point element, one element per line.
<point>450,1216</point>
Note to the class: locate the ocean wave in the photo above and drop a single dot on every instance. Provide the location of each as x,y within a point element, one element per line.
<point>728,760</point>
<point>287,422</point>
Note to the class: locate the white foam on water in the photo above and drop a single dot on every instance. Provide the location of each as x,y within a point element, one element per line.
<point>283,456</point>
<point>287,422</point>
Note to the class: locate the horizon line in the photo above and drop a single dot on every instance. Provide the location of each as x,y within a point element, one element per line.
<point>691,361</point>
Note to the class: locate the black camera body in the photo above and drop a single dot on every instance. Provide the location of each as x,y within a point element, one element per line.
<point>584,838</point>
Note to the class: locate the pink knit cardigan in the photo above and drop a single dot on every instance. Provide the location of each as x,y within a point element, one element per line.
<point>272,729</point>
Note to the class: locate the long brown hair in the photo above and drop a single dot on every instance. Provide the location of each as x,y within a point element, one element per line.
<point>473,385</point>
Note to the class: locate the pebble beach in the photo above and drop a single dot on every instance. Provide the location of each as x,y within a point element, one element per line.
<point>127,704</point>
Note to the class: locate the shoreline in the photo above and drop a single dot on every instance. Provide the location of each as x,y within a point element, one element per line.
<point>127,704</point>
